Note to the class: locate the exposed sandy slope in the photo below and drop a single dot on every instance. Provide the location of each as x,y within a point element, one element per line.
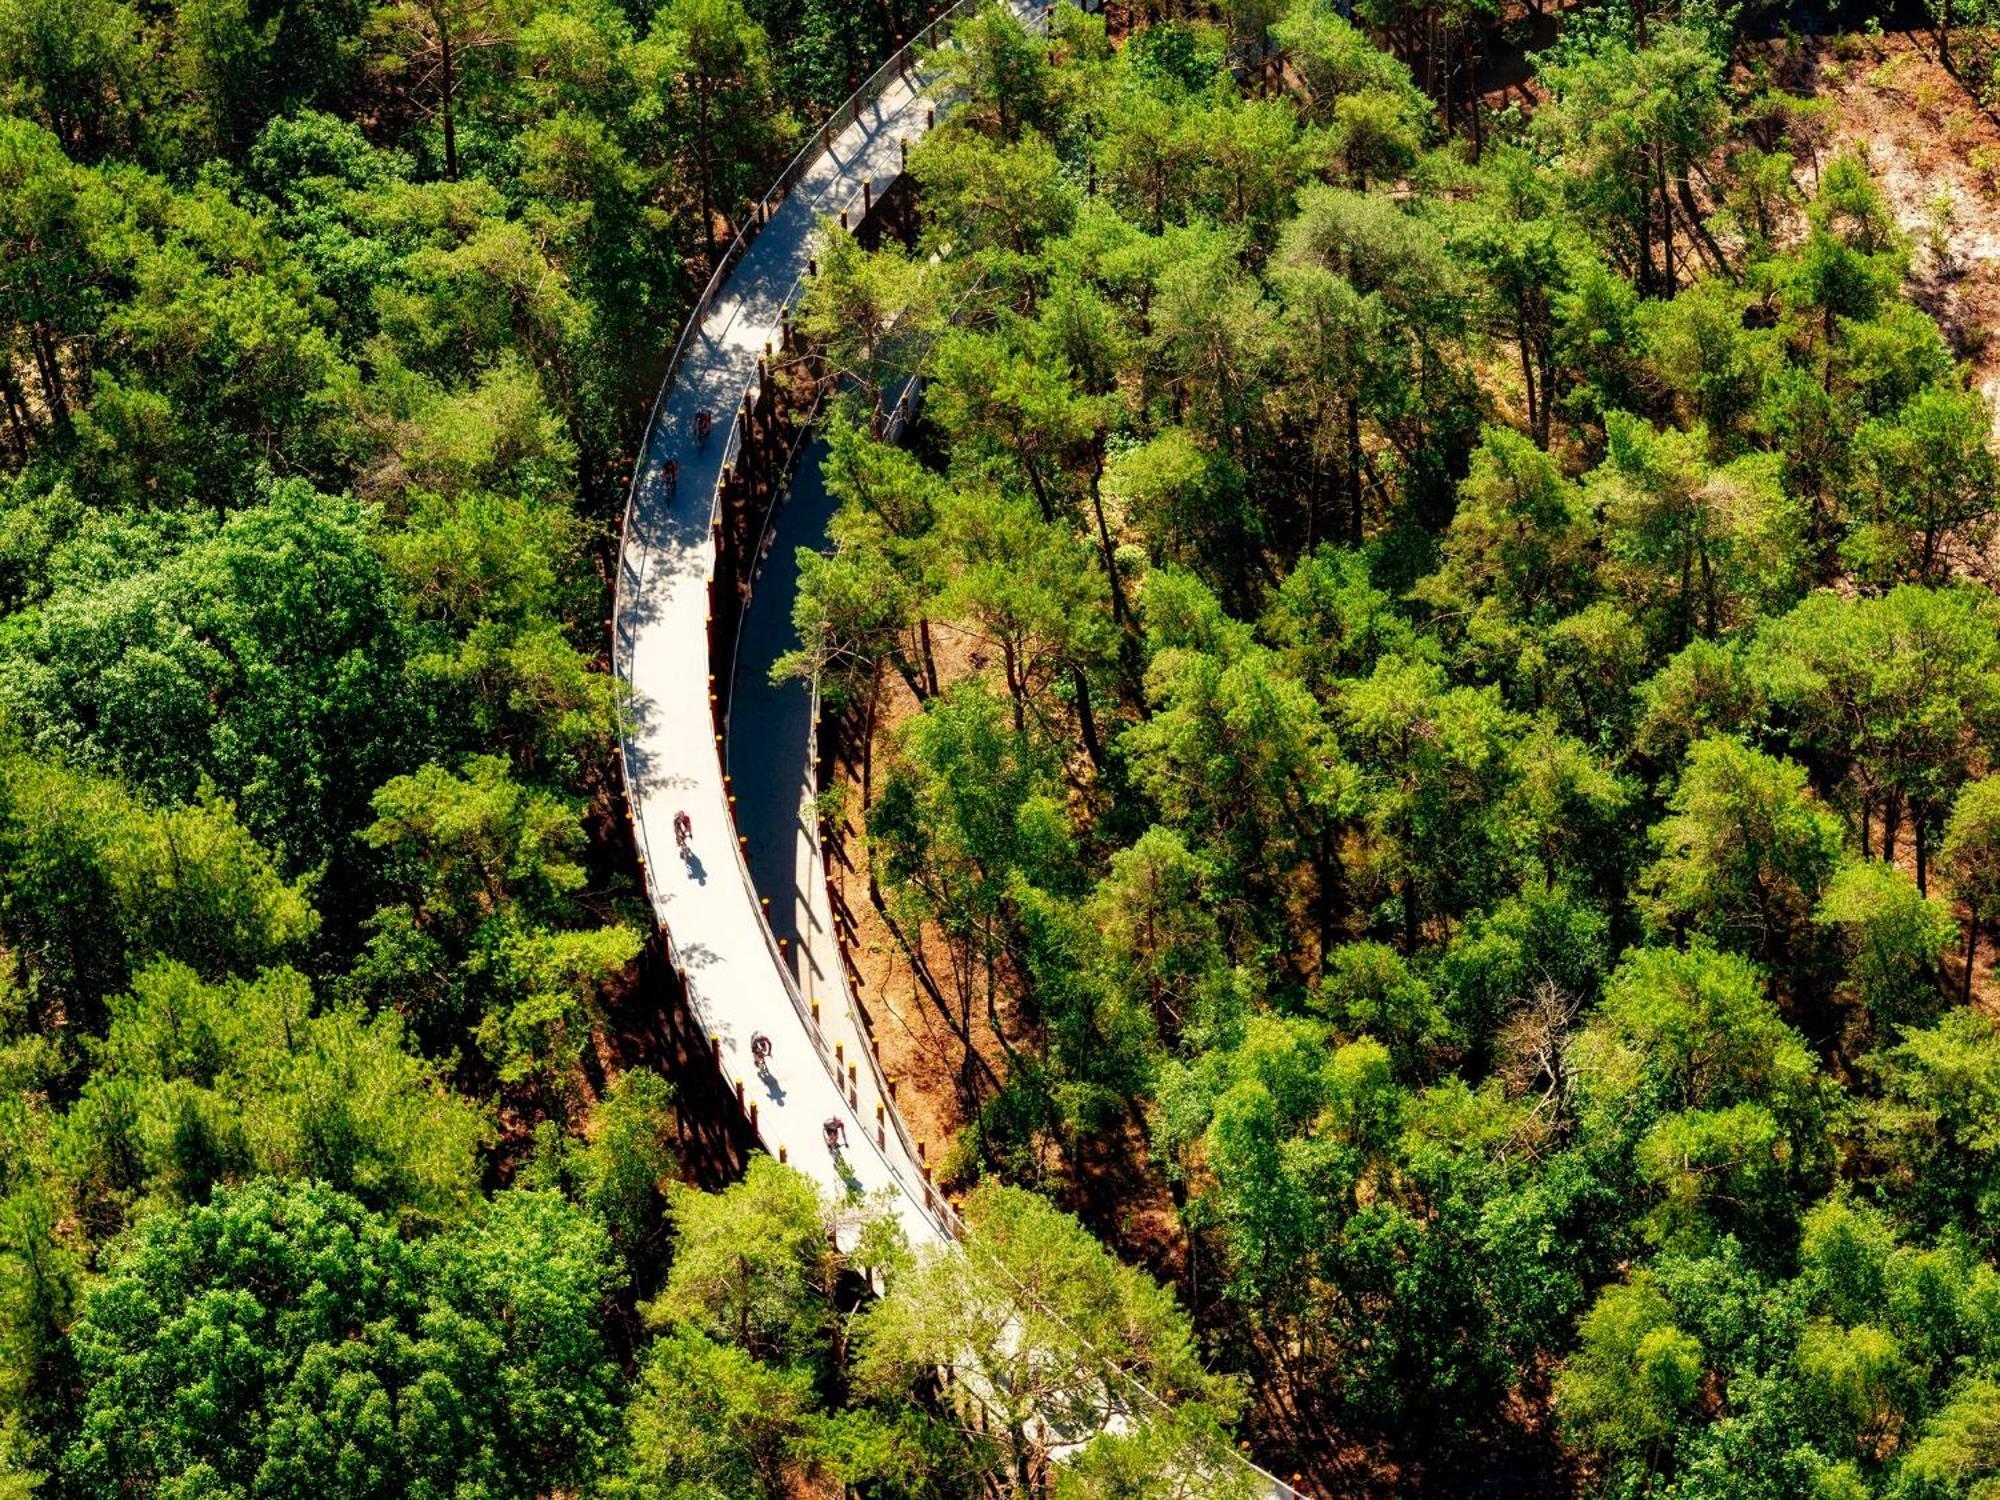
<point>1923,135</point>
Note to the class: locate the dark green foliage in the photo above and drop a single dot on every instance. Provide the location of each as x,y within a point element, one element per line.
<point>284,1339</point>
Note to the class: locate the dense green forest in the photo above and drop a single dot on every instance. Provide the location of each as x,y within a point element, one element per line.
<point>1465,845</point>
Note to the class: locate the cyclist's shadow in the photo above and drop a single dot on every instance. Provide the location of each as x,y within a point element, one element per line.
<point>771,1085</point>
<point>697,872</point>
<point>848,1177</point>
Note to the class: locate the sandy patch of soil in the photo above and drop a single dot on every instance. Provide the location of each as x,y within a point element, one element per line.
<point>1936,154</point>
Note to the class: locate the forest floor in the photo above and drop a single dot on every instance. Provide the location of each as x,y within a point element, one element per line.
<point>919,1048</point>
<point>1116,1190</point>
<point>1936,153</point>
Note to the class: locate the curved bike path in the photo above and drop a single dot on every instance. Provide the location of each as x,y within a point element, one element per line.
<point>716,932</point>
<point>738,979</point>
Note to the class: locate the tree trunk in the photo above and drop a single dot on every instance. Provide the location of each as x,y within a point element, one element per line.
<point>1010,663</point>
<point>18,421</point>
<point>1528,381</point>
<point>447,88</point>
<point>1666,222</point>
<point>930,658</point>
<point>1034,479</point>
<point>1971,956</point>
<point>48,364</point>
<point>1104,547</point>
<point>1354,470</point>
<point>704,172</point>
<point>1086,721</point>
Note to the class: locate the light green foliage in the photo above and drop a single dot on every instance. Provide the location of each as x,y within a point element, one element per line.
<point>1697,549</point>
<point>1916,669</point>
<point>1931,478</point>
<point>629,1160</point>
<point>1688,1061</point>
<point>263,658</point>
<point>1892,937</point>
<point>1704,689</point>
<point>753,1265</point>
<point>708,1419</point>
<point>1957,1452</point>
<point>1032,1311</point>
<point>1634,1374</point>
<point>1518,550</point>
<point>864,310</point>
<point>1744,853</point>
<point>496,577</point>
<point>200,1083</point>
<point>488,870</point>
<point>97,883</point>
<point>1368,990</point>
<point>751,1331</point>
<point>1971,858</point>
<point>1180,1455</point>
<point>1933,1126</point>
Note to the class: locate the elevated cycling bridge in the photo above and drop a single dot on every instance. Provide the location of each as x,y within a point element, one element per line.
<point>684,578</point>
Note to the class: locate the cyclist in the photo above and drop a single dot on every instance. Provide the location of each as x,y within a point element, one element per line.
<point>670,474</point>
<point>760,1048</point>
<point>683,829</point>
<point>703,420</point>
<point>835,1132</point>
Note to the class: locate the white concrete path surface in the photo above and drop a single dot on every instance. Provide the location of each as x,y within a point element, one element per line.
<point>736,982</point>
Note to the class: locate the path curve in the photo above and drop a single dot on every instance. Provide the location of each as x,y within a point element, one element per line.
<point>737,979</point>
<point>705,903</point>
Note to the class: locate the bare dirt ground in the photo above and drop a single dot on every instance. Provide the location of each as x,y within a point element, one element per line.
<point>1936,154</point>
<point>918,1047</point>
